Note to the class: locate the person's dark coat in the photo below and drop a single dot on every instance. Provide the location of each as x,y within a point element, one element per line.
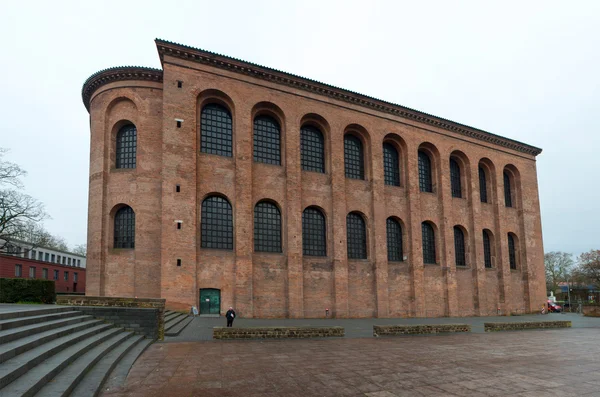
<point>230,314</point>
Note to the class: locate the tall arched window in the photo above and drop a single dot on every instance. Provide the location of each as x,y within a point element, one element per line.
<point>425,177</point>
<point>312,149</point>
<point>267,141</point>
<point>455,183</point>
<point>126,147</point>
<point>482,185</point>
<point>216,130</point>
<point>216,223</point>
<point>428,236</point>
<point>356,236</point>
<point>512,256</point>
<point>459,247</point>
<point>354,162</point>
<point>391,165</point>
<point>314,236</point>
<point>267,227</point>
<point>394,240</point>
<point>507,190</point>
<point>124,233</point>
<point>487,249</point>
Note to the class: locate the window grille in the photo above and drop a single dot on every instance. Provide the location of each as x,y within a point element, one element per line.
<point>353,157</point>
<point>267,227</point>
<point>314,235</point>
<point>217,223</point>
<point>428,236</point>
<point>216,130</point>
<point>512,257</point>
<point>126,147</point>
<point>267,142</point>
<point>459,247</point>
<point>394,240</point>
<point>482,185</point>
<point>356,236</point>
<point>312,149</point>
<point>425,178</point>
<point>391,165</point>
<point>507,191</point>
<point>124,234</point>
<point>487,250</point>
<point>455,183</point>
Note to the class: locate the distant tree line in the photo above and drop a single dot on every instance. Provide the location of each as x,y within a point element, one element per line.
<point>561,268</point>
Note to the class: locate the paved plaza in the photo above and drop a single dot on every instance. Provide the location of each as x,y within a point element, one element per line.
<point>564,362</point>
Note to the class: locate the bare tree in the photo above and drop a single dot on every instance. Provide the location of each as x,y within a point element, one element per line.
<point>80,249</point>
<point>558,268</point>
<point>589,267</point>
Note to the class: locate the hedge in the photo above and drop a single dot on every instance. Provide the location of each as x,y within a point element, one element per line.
<point>14,290</point>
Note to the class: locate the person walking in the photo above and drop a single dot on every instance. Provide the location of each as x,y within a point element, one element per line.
<point>230,315</point>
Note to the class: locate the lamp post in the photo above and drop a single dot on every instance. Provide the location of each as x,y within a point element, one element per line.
<point>569,293</point>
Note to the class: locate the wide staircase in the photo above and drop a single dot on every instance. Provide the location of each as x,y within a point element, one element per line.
<point>175,322</point>
<point>61,352</point>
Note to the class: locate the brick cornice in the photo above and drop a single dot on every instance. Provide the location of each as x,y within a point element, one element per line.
<point>298,82</point>
<point>119,73</point>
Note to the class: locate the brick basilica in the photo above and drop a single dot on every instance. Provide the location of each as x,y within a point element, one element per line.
<point>215,182</point>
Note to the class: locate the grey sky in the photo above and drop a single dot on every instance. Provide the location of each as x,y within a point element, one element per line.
<point>525,70</point>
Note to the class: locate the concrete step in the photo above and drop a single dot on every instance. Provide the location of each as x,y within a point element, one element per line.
<point>32,381</point>
<point>69,378</point>
<point>22,321</point>
<point>92,382</point>
<point>176,330</point>
<point>119,374</point>
<point>35,312</point>
<point>174,321</point>
<point>11,369</point>
<point>169,315</point>
<point>10,335</point>
<point>19,346</point>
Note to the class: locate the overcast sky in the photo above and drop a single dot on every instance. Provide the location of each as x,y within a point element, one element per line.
<point>527,70</point>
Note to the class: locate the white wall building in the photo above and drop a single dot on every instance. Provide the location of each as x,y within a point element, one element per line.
<point>27,250</point>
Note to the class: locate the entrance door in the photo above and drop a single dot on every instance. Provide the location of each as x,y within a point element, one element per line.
<point>210,301</point>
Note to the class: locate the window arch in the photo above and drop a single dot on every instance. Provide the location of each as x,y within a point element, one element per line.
<point>267,140</point>
<point>428,236</point>
<point>126,147</point>
<point>124,231</point>
<point>356,234</point>
<point>394,240</point>
<point>425,173</point>
<point>455,183</point>
<point>391,165</point>
<point>459,247</point>
<point>507,190</point>
<point>482,185</point>
<point>216,130</point>
<point>312,149</point>
<point>354,162</point>
<point>314,235</point>
<point>216,223</point>
<point>267,227</point>
<point>512,255</point>
<point>487,249</point>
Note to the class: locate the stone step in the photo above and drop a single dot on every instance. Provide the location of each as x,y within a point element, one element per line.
<point>32,381</point>
<point>176,330</point>
<point>10,335</point>
<point>11,369</point>
<point>69,378</point>
<point>22,321</point>
<point>34,312</point>
<point>19,346</point>
<point>173,322</point>
<point>119,374</point>
<point>91,384</point>
<point>169,314</point>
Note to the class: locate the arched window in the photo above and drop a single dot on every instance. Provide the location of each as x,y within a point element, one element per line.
<point>216,223</point>
<point>124,233</point>
<point>354,162</point>
<point>356,236</point>
<point>216,130</point>
<point>267,141</point>
<point>482,185</point>
<point>314,236</point>
<point>267,227</point>
<point>425,178</point>
<point>312,149</point>
<point>459,247</point>
<point>391,165</point>
<point>507,190</point>
<point>512,256</point>
<point>126,147</point>
<point>487,250</point>
<point>455,184</point>
<point>394,240</point>
<point>428,236</point>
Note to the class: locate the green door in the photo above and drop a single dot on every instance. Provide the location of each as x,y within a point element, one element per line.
<point>210,301</point>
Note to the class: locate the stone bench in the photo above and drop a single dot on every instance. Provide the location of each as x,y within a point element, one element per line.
<point>419,329</point>
<point>276,332</point>
<point>523,325</point>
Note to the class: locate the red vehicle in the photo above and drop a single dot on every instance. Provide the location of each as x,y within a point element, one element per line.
<point>553,307</point>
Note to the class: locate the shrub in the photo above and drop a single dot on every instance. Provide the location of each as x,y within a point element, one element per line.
<point>14,290</point>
